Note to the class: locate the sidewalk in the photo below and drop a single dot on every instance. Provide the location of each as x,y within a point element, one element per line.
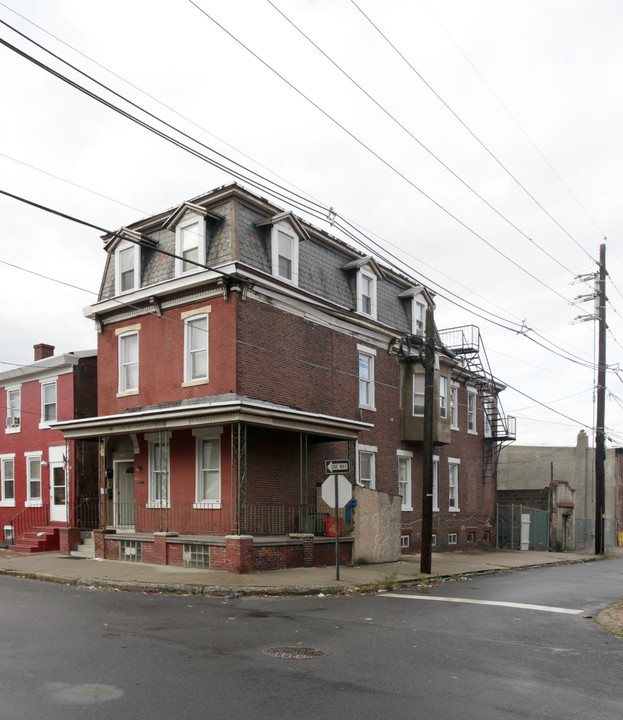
<point>142,577</point>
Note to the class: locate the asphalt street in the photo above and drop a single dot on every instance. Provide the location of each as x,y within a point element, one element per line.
<point>516,644</point>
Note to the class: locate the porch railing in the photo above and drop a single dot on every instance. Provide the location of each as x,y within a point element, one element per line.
<point>28,518</point>
<point>222,519</point>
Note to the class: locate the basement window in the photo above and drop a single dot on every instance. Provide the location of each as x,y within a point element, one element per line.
<point>196,556</point>
<point>130,551</point>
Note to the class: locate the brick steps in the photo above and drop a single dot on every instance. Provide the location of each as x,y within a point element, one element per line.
<point>38,539</point>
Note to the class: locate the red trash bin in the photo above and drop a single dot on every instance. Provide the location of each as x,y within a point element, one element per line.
<point>329,526</point>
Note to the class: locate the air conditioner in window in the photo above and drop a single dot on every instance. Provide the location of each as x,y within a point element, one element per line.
<point>12,422</point>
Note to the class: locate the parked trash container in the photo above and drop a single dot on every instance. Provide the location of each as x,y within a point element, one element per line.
<point>329,526</point>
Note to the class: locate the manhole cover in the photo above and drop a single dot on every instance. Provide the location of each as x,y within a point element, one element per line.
<point>298,653</point>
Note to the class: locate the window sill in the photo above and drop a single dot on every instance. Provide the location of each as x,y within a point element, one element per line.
<point>127,393</point>
<point>406,508</point>
<point>158,506</point>
<point>33,503</point>
<point>207,505</point>
<point>370,408</point>
<point>7,503</point>
<point>472,432</point>
<point>12,431</point>
<point>453,509</point>
<point>192,383</point>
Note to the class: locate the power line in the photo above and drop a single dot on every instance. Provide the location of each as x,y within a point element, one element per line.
<point>317,212</point>
<point>375,154</point>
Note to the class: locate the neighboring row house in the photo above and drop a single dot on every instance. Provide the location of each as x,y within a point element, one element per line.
<point>239,348</point>
<point>46,483</point>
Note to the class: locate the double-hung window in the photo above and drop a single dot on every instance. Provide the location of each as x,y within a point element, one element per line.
<point>127,267</point>
<point>49,408</point>
<point>13,409</point>
<point>128,360</point>
<point>285,253</point>
<point>196,346</point>
<point>33,479</point>
<point>471,411</point>
<point>190,247</point>
<point>7,470</point>
<point>208,467</point>
<point>366,457</point>
<point>454,406</point>
<point>419,386</point>
<point>453,484</point>
<point>366,377</point>
<point>419,317</point>
<point>404,478</point>
<point>366,293</point>
<point>159,469</point>
<point>443,397</point>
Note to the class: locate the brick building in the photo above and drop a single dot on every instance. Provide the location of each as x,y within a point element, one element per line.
<point>239,348</point>
<point>47,483</point>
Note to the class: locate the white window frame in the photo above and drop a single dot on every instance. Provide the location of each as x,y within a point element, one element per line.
<point>7,460</point>
<point>182,233</point>
<point>285,230</point>
<point>435,483</point>
<point>418,320</point>
<point>419,392</point>
<point>405,458</point>
<point>211,435</point>
<point>33,457</point>
<point>189,318</point>
<point>443,397</point>
<point>453,484</point>
<point>13,410</point>
<point>123,335</point>
<point>367,382</point>
<point>453,538</point>
<point>155,440</point>
<point>454,406</point>
<point>472,416</point>
<point>133,250</point>
<point>363,276</point>
<point>370,450</point>
<point>45,386</point>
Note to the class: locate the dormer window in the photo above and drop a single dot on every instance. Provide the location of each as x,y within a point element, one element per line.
<point>190,247</point>
<point>366,293</point>
<point>285,253</point>
<point>127,267</point>
<point>419,299</point>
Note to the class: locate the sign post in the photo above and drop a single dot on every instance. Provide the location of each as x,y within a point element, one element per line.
<point>336,491</point>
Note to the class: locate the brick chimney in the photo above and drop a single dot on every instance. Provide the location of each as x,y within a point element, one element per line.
<point>43,351</point>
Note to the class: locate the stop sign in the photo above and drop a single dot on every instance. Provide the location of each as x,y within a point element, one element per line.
<point>344,491</point>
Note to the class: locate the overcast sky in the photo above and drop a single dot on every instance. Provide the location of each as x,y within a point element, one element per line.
<point>488,159</point>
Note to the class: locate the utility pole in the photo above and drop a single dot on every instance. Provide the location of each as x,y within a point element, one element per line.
<point>600,432</point>
<point>428,360</point>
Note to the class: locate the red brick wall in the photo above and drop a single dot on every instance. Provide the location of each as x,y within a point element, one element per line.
<point>161,358</point>
<point>32,439</point>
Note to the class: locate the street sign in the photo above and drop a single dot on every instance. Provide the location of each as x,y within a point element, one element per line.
<point>336,491</point>
<point>336,466</point>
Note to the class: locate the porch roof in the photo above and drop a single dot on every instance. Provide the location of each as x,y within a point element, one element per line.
<point>219,410</point>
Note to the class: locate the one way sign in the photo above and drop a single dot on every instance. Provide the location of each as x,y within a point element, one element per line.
<point>336,466</point>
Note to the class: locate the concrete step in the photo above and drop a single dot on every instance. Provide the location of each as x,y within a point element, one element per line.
<point>87,548</point>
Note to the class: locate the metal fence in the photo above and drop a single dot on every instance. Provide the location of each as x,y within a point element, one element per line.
<point>221,519</point>
<point>521,527</point>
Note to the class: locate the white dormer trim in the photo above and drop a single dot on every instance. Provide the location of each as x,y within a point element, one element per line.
<point>127,267</point>
<point>190,242</point>
<point>420,299</point>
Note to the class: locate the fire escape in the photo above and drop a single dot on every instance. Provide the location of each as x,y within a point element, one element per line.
<point>467,346</point>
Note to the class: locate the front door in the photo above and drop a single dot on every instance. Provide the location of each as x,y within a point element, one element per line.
<point>124,494</point>
<point>58,493</point>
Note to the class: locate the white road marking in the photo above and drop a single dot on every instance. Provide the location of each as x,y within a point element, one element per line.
<point>499,603</point>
